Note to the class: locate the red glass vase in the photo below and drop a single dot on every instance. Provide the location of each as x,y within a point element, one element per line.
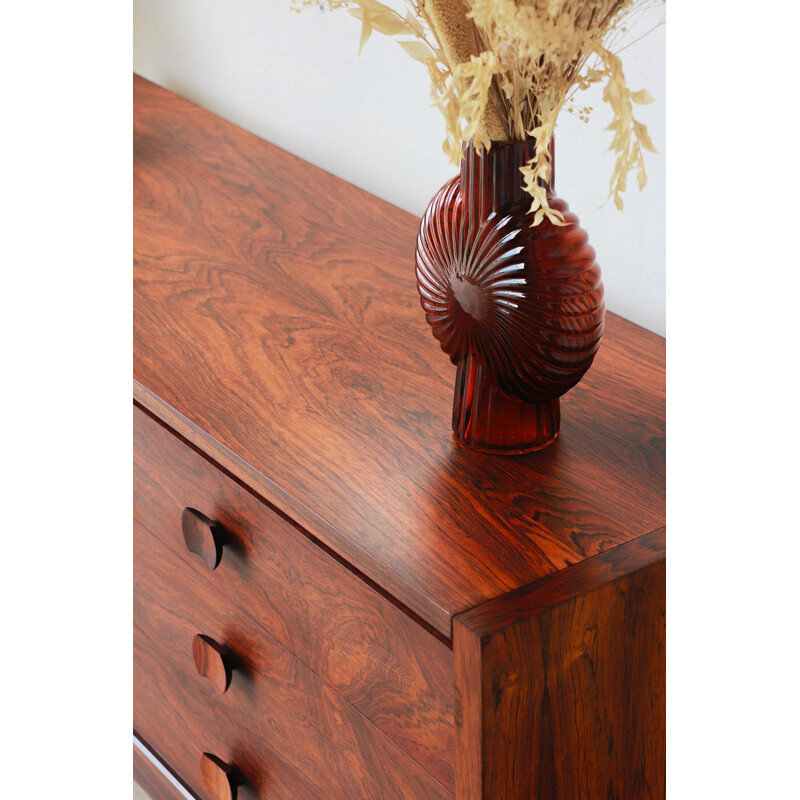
<point>518,309</point>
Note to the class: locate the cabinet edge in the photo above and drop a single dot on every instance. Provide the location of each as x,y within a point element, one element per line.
<point>559,587</point>
<point>155,777</point>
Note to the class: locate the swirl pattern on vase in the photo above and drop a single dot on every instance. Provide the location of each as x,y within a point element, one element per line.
<point>526,302</point>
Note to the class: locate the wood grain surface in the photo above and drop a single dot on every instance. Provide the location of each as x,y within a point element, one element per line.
<point>278,328</point>
<point>374,655</point>
<point>560,690</point>
<point>285,731</point>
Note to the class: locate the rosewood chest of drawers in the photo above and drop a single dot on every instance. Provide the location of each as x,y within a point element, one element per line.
<point>333,599</point>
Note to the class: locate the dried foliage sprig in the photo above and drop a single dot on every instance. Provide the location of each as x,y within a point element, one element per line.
<point>502,70</point>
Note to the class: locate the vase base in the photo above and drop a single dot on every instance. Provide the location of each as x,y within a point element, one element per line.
<point>499,451</point>
<point>485,419</point>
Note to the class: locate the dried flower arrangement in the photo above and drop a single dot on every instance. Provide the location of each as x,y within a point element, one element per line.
<point>502,70</point>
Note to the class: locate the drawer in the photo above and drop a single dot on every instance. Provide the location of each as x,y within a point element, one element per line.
<point>392,670</point>
<point>289,734</point>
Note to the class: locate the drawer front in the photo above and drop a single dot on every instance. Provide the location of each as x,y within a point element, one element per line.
<point>287,733</point>
<point>392,670</point>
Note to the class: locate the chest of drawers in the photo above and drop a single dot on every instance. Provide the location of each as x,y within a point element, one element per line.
<point>333,599</point>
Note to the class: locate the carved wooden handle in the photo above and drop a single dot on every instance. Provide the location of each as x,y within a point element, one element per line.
<point>220,779</point>
<point>213,661</point>
<point>203,536</point>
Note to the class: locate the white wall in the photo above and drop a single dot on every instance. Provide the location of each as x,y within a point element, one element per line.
<point>296,80</point>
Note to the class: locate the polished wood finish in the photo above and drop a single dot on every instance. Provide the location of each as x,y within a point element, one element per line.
<point>220,779</point>
<point>277,327</point>
<point>213,660</point>
<point>289,734</point>
<point>410,619</point>
<point>203,536</point>
<point>156,779</point>
<point>560,686</point>
<point>397,673</point>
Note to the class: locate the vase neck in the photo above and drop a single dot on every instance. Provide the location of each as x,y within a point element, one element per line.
<point>491,180</point>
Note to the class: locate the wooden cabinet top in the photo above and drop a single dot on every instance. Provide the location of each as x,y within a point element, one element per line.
<point>277,327</point>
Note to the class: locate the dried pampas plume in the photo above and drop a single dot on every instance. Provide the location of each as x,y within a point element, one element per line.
<point>502,70</point>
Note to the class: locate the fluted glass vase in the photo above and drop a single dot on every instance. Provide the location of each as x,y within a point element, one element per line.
<point>518,309</point>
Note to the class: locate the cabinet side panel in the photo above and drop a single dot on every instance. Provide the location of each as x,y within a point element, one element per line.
<point>573,697</point>
<point>468,713</point>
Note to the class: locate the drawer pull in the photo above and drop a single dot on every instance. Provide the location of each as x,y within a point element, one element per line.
<point>219,778</point>
<point>203,536</point>
<point>213,661</point>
